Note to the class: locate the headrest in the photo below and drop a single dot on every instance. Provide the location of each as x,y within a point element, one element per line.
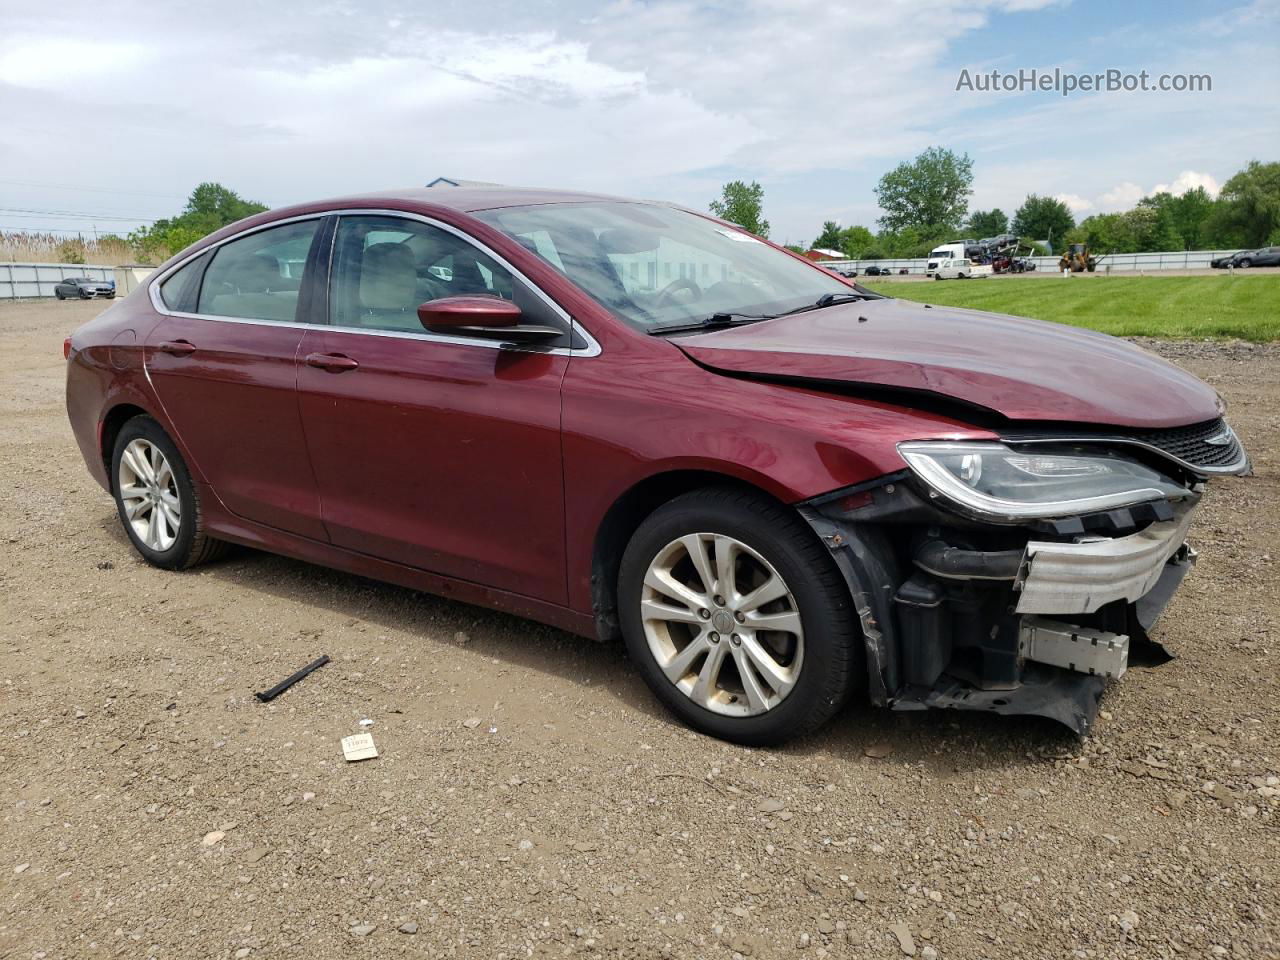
<point>388,280</point>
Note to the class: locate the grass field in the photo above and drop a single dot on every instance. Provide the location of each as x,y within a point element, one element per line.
<point>1247,307</point>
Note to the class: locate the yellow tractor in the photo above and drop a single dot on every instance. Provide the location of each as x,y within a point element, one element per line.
<point>1077,259</point>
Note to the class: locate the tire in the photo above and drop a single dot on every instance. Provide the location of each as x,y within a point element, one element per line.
<point>820,664</point>
<point>191,545</point>
<point>58,294</point>
<point>1246,263</point>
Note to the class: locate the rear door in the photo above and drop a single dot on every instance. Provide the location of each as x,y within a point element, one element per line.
<point>223,363</point>
<point>439,452</point>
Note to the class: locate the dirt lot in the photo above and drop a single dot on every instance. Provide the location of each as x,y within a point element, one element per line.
<point>532,800</point>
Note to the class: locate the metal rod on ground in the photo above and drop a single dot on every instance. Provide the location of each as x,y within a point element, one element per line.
<point>289,681</point>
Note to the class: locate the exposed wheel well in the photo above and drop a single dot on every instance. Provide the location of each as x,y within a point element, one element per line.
<point>621,523</point>
<point>116,418</point>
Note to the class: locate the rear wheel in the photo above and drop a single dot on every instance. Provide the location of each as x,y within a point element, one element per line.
<point>737,617</point>
<point>157,502</point>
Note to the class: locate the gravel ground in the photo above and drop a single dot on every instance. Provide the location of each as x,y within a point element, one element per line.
<point>531,799</point>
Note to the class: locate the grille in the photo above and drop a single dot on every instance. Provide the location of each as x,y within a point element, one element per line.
<point>1191,444</point>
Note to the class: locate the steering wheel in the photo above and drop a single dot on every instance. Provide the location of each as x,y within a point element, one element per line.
<point>666,294</point>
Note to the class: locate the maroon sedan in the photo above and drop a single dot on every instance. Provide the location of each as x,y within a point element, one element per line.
<point>632,421</point>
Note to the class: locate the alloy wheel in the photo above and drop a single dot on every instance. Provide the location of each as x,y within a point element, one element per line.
<point>149,493</point>
<point>722,624</point>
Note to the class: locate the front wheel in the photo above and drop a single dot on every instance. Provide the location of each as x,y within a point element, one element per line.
<point>737,617</point>
<point>157,502</point>
<point>1246,263</point>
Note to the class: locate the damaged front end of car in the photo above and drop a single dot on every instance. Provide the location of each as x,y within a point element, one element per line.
<point>1020,576</point>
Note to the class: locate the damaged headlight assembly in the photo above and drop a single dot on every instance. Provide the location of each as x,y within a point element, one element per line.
<point>1007,485</point>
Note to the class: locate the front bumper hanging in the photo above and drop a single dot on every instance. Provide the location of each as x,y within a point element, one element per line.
<point>1036,631</point>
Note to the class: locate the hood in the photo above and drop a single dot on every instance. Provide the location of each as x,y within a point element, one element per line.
<point>1022,369</point>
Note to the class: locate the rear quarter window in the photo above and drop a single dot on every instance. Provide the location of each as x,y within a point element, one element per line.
<point>179,289</point>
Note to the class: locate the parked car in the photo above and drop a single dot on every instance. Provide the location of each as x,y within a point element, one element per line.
<point>1265,257</point>
<point>627,420</point>
<point>84,288</point>
<point>875,271</point>
<point>961,269</point>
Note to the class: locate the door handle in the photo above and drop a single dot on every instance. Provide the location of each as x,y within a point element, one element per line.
<point>332,362</point>
<point>178,348</point>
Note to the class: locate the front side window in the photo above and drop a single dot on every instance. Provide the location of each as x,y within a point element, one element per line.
<point>258,276</point>
<point>656,266</point>
<point>385,267</point>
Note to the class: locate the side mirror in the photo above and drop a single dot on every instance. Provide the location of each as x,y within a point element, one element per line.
<point>489,318</point>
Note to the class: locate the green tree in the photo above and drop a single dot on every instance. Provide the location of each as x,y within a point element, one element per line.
<point>210,207</point>
<point>1247,213</point>
<point>911,241</point>
<point>929,193</point>
<point>71,251</point>
<point>1043,218</point>
<point>987,223</point>
<point>855,242</point>
<point>1105,233</point>
<point>743,204</point>
<point>1187,214</point>
<point>829,238</point>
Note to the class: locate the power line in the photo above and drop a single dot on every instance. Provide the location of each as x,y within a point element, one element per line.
<point>24,212</point>
<point>35,231</point>
<point>64,186</point>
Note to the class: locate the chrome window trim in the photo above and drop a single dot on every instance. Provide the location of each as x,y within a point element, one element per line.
<point>592,348</point>
<point>1238,466</point>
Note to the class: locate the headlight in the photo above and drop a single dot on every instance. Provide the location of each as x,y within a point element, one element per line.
<point>1008,484</point>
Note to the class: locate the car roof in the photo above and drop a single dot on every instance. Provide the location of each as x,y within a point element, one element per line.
<point>463,199</point>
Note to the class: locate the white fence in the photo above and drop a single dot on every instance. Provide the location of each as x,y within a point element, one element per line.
<point>1112,262</point>
<point>18,280</point>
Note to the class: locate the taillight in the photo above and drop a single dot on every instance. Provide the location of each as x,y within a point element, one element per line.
<point>66,349</point>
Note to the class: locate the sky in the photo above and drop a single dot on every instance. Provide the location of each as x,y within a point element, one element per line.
<point>110,115</point>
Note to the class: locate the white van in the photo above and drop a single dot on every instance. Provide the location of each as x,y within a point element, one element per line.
<point>960,268</point>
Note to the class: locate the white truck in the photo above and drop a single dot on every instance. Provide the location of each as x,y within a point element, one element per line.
<point>955,250</point>
<point>960,268</point>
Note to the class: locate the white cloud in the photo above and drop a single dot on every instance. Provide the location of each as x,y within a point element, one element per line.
<point>663,98</point>
<point>1075,203</point>
<point>1189,180</point>
<point>1121,197</point>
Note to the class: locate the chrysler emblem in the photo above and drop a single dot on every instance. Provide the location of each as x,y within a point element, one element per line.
<point>1220,439</point>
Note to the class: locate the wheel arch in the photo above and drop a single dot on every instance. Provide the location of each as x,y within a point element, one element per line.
<point>109,428</point>
<point>624,517</point>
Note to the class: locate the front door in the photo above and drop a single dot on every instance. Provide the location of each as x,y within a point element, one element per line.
<point>440,452</point>
<point>223,361</point>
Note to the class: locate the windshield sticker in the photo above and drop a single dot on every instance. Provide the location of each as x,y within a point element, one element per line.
<point>735,235</point>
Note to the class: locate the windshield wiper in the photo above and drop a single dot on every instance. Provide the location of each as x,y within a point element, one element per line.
<point>716,321</point>
<point>720,320</point>
<point>828,300</point>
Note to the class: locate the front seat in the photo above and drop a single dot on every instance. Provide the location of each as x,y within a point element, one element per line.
<point>388,287</point>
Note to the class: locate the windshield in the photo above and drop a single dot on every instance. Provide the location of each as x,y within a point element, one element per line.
<point>657,267</point>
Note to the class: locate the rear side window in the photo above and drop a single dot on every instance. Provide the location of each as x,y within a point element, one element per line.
<point>258,277</point>
<point>180,288</point>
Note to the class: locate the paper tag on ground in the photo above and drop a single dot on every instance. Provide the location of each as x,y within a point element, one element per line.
<point>359,747</point>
